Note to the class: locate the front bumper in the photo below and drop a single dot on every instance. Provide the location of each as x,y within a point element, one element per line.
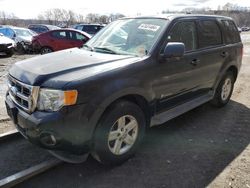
<point>6,48</point>
<point>64,131</point>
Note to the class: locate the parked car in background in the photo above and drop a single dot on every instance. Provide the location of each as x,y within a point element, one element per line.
<point>245,29</point>
<point>91,29</point>
<point>42,28</point>
<point>21,36</point>
<point>6,45</point>
<point>59,40</point>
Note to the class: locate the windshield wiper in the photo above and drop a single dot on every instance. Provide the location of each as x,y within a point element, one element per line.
<point>104,49</point>
<point>88,47</point>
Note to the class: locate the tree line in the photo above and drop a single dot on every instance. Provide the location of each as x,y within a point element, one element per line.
<point>62,17</point>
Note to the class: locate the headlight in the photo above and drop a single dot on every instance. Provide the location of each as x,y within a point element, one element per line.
<point>54,100</point>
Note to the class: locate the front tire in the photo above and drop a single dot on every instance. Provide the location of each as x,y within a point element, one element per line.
<point>20,49</point>
<point>224,90</point>
<point>119,133</point>
<point>9,53</point>
<point>46,50</point>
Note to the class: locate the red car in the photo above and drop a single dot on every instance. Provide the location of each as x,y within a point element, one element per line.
<point>60,39</point>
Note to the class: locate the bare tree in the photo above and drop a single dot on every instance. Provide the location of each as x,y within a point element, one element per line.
<point>8,18</point>
<point>61,16</point>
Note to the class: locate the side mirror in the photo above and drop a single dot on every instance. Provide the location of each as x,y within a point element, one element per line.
<point>174,49</point>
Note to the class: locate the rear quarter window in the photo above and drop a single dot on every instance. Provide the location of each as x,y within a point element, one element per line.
<point>209,33</point>
<point>231,32</point>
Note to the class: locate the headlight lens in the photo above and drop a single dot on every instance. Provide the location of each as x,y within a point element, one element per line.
<point>54,100</point>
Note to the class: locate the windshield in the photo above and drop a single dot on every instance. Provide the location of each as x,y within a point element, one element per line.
<point>24,32</point>
<point>128,36</point>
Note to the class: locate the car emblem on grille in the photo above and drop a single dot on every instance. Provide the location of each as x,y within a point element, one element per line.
<point>13,90</point>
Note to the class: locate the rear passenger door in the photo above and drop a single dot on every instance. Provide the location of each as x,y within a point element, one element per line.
<point>59,40</point>
<point>76,39</point>
<point>211,52</point>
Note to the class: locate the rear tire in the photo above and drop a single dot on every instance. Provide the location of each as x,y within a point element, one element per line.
<point>224,90</point>
<point>119,133</point>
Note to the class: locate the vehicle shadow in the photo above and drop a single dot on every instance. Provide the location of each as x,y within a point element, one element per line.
<point>4,56</point>
<point>189,151</point>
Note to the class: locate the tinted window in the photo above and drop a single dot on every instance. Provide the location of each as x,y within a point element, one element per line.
<point>231,32</point>
<point>184,32</point>
<point>76,36</point>
<point>92,29</point>
<point>209,34</point>
<point>43,29</point>
<point>38,29</point>
<point>80,37</point>
<point>59,34</point>
<point>79,27</point>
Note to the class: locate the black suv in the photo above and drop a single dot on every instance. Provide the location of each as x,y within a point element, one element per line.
<point>135,73</point>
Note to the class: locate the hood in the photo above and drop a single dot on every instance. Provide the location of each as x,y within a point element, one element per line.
<point>24,38</point>
<point>67,65</point>
<point>6,40</point>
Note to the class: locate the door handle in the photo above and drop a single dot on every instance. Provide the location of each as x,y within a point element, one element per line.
<point>224,54</point>
<point>195,62</point>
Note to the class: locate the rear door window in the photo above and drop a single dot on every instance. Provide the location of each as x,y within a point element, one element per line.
<point>209,34</point>
<point>80,37</point>
<point>231,32</point>
<point>186,33</point>
<point>59,34</point>
<point>76,36</point>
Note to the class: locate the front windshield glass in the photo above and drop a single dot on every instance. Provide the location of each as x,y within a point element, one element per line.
<point>128,36</point>
<point>24,32</point>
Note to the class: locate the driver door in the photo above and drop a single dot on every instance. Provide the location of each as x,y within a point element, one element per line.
<point>178,81</point>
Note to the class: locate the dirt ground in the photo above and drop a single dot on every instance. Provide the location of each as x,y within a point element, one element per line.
<point>206,147</point>
<point>5,64</point>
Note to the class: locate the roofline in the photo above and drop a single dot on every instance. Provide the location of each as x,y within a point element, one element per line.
<point>177,16</point>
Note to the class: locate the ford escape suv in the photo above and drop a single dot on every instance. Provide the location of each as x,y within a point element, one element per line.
<point>135,73</point>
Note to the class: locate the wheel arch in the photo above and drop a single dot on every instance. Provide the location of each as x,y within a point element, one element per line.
<point>136,98</point>
<point>234,70</point>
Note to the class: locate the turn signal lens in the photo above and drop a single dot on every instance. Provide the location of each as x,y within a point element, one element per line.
<point>70,97</point>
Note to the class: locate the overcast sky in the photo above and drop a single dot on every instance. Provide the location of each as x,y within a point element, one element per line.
<point>31,8</point>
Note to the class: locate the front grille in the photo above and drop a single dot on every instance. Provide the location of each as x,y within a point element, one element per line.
<point>23,95</point>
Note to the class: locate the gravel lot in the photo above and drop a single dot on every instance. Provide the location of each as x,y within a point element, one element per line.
<point>206,147</point>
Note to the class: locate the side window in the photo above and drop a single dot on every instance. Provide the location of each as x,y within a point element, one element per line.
<point>79,27</point>
<point>184,32</point>
<point>231,32</point>
<point>209,34</point>
<point>59,34</point>
<point>80,37</point>
<point>76,36</point>
<point>43,29</point>
<point>11,33</point>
